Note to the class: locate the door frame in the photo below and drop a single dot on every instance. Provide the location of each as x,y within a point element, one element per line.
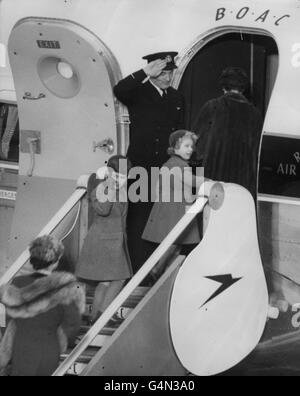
<point>201,41</point>
<point>189,53</point>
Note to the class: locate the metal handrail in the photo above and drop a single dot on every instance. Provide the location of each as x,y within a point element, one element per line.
<point>9,166</point>
<point>132,285</point>
<point>53,223</point>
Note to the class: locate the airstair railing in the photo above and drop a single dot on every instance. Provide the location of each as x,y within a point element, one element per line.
<point>210,192</point>
<point>74,199</point>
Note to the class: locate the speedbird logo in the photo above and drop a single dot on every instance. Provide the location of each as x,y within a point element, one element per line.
<point>226,282</point>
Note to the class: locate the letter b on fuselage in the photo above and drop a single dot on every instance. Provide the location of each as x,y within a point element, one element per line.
<point>220,13</point>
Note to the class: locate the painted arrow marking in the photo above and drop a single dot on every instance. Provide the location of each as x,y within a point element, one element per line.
<point>226,282</point>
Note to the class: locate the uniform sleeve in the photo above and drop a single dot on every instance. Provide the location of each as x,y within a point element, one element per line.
<point>202,127</point>
<point>127,88</point>
<point>101,208</point>
<point>71,322</point>
<point>181,123</point>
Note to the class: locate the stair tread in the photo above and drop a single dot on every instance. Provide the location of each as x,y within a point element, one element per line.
<point>85,357</point>
<point>138,293</point>
<point>105,331</point>
<point>91,351</point>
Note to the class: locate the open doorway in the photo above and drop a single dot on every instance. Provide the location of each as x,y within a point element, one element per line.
<point>256,54</point>
<point>229,133</point>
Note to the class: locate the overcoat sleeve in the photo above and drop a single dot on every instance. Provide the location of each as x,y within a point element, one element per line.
<point>181,123</point>
<point>202,127</point>
<point>101,208</point>
<point>71,322</point>
<point>127,88</point>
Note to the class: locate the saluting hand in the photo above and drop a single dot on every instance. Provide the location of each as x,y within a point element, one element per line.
<point>154,69</point>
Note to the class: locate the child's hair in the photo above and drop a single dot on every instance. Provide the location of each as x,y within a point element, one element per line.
<point>120,164</point>
<point>45,251</point>
<point>177,137</point>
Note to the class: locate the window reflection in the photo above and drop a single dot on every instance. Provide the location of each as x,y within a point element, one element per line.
<point>9,133</point>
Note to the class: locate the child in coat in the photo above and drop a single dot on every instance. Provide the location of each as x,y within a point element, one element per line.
<point>104,257</point>
<point>175,196</point>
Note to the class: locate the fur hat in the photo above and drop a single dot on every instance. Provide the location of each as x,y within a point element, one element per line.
<point>233,78</point>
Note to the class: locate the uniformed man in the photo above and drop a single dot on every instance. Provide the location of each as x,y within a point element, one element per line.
<point>156,110</point>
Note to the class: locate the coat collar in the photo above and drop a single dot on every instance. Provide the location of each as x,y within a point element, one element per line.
<point>43,294</point>
<point>153,91</point>
<point>237,97</point>
<point>177,158</point>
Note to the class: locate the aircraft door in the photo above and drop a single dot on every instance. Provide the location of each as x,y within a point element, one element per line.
<point>64,77</point>
<point>64,89</point>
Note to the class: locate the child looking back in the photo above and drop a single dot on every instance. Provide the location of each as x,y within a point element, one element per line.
<point>175,196</point>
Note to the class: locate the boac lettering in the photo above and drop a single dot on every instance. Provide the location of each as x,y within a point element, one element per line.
<point>220,13</point>
<point>263,16</point>
<point>246,12</point>
<point>242,13</point>
<point>277,23</point>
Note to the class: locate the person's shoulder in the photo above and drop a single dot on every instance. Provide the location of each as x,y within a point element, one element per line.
<point>22,281</point>
<point>175,161</point>
<point>214,102</point>
<point>174,92</point>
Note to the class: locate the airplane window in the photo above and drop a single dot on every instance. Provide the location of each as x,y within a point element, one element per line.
<point>65,70</point>
<point>9,133</point>
<point>2,55</point>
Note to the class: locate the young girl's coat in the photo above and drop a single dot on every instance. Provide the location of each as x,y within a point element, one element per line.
<point>165,215</point>
<point>104,255</point>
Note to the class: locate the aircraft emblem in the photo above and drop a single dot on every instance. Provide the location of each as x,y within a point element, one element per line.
<point>226,282</point>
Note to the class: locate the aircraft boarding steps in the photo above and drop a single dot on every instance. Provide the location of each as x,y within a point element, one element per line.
<point>143,338</point>
<point>90,353</point>
<point>215,296</point>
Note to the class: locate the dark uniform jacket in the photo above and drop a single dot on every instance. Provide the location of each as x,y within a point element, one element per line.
<point>229,130</point>
<point>153,118</point>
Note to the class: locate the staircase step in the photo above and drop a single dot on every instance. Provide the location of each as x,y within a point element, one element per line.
<point>98,341</point>
<point>122,312</point>
<point>105,333</point>
<point>81,362</point>
<point>132,300</point>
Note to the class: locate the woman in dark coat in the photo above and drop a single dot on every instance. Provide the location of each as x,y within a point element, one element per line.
<point>44,309</point>
<point>229,130</point>
<point>104,258</point>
